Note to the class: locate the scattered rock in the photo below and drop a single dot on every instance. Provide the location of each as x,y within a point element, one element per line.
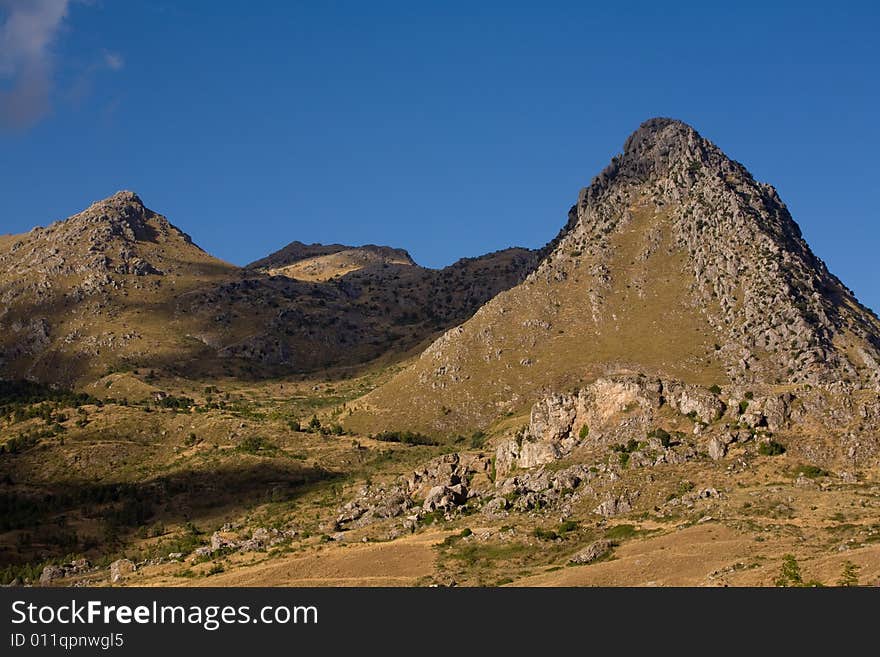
<point>51,573</point>
<point>120,569</point>
<point>615,506</point>
<point>592,552</point>
<point>717,448</point>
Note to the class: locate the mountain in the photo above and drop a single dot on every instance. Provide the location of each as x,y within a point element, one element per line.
<point>320,262</point>
<point>674,263</point>
<point>118,287</point>
<point>674,391</point>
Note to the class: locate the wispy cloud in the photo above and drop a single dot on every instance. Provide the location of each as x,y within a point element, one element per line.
<point>113,60</point>
<point>26,62</point>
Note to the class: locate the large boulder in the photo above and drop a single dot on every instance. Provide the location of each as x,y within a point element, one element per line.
<point>593,552</point>
<point>120,569</point>
<point>717,448</point>
<point>694,400</point>
<point>51,573</point>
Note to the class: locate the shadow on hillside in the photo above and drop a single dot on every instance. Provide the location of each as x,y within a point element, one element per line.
<point>117,508</point>
<point>281,326</point>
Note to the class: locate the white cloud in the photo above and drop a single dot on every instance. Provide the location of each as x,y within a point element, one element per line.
<point>26,38</point>
<point>113,60</point>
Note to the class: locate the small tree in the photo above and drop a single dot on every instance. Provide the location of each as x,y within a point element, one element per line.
<point>584,432</point>
<point>849,576</point>
<point>791,572</point>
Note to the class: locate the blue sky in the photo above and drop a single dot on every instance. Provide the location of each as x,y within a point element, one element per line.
<point>449,129</point>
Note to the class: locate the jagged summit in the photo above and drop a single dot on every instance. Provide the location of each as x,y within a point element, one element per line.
<point>120,199</point>
<point>121,206</point>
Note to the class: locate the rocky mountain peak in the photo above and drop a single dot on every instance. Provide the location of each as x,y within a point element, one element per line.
<point>779,310</point>
<point>121,199</point>
<point>674,261</point>
<point>121,215</point>
<point>659,142</point>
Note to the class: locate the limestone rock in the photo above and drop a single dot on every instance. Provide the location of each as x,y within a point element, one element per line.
<point>593,552</point>
<point>121,569</point>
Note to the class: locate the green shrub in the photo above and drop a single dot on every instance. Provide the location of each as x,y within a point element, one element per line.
<point>771,448</point>
<point>567,526</point>
<point>258,446</point>
<point>405,437</point>
<point>176,403</point>
<point>584,432</point>
<point>685,486</point>
<point>790,575</point>
<point>715,389</point>
<point>620,532</point>
<point>544,534</point>
<point>810,471</point>
<point>631,446</point>
<point>663,435</point>
<point>478,439</point>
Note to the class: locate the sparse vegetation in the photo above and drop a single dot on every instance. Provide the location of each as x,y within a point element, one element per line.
<point>405,437</point>
<point>849,574</point>
<point>478,439</point>
<point>662,435</point>
<point>258,446</point>
<point>771,448</point>
<point>810,471</point>
<point>790,574</point>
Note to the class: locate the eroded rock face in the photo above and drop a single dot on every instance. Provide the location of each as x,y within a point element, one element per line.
<point>694,400</point>
<point>764,410</point>
<point>51,573</point>
<point>559,423</point>
<point>536,453</point>
<point>551,418</point>
<point>619,409</point>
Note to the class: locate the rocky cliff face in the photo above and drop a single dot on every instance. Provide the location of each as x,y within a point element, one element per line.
<point>674,262</point>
